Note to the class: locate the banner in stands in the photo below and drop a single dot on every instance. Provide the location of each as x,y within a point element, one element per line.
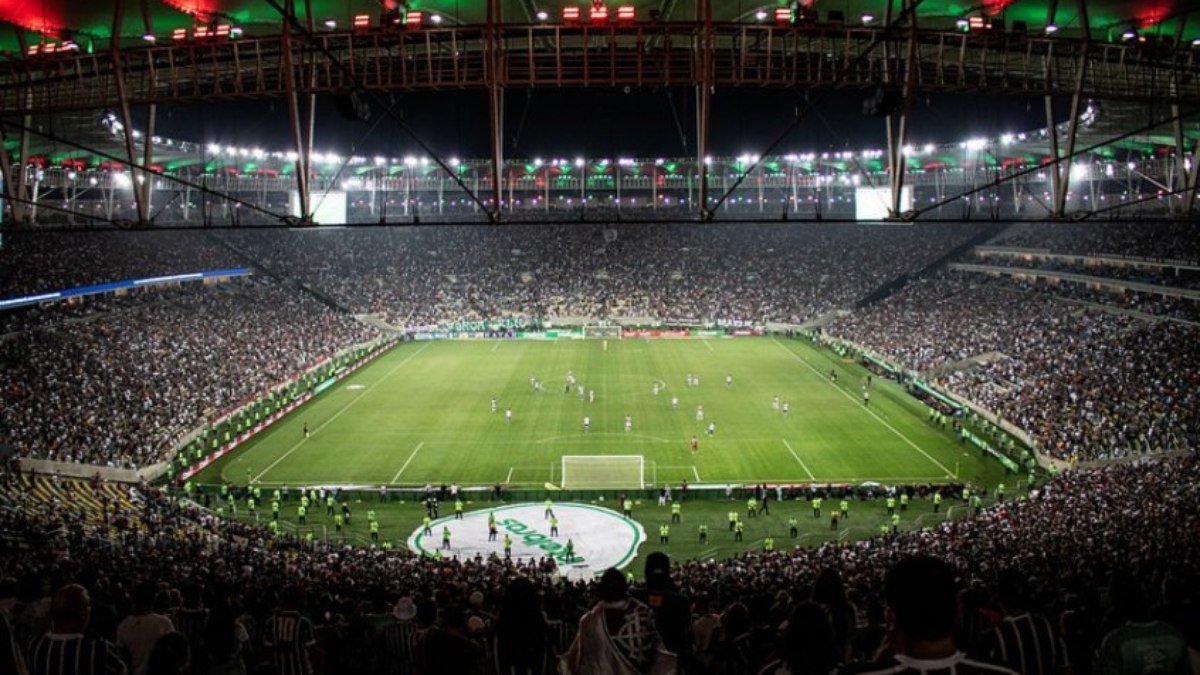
<point>114,286</point>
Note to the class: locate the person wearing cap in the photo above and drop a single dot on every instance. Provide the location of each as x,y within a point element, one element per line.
<point>672,610</point>
<point>397,636</point>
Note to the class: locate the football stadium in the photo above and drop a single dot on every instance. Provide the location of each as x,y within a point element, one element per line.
<point>516,337</point>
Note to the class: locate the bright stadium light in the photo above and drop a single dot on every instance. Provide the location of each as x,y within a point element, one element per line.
<point>579,162</point>
<point>330,23</point>
<point>537,161</point>
<point>542,15</point>
<point>761,15</point>
<point>435,18</point>
<point>1006,139</point>
<point>1051,29</point>
<point>410,161</point>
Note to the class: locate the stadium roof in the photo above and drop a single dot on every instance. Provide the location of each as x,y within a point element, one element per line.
<point>90,22</point>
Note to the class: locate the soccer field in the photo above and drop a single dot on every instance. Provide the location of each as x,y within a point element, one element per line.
<point>422,414</point>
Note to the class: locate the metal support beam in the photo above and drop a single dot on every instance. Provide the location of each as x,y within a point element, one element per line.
<point>303,147</point>
<point>704,65</point>
<point>143,209</point>
<point>898,138</point>
<point>147,184</point>
<point>495,94</point>
<point>16,175</point>
<point>1064,169</point>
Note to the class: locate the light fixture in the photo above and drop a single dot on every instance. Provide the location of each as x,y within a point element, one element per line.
<point>435,18</point>
<point>761,15</point>
<point>149,37</point>
<point>235,32</point>
<point>867,19</point>
<point>1051,29</point>
<point>330,23</point>
<point>1129,34</point>
<point>542,15</point>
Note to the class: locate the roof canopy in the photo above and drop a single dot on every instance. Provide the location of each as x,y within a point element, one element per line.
<point>90,23</point>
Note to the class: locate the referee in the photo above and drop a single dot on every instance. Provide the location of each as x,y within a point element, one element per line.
<point>64,650</point>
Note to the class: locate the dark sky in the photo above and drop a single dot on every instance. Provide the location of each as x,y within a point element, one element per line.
<point>602,122</point>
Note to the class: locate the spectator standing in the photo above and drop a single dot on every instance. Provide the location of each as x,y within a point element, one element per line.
<point>65,650</point>
<point>139,632</point>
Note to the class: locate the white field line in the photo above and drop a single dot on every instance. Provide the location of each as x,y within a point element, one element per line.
<point>407,462</point>
<point>870,412</point>
<point>707,345</point>
<point>695,473</point>
<point>510,473</point>
<point>802,464</point>
<point>496,346</point>
<point>338,414</point>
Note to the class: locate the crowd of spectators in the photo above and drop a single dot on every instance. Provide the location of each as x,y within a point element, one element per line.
<point>1155,240</point>
<point>436,275</point>
<point>1082,381</point>
<point>1088,557</point>
<point>1175,276</point>
<point>118,386</point>
<point>42,262</point>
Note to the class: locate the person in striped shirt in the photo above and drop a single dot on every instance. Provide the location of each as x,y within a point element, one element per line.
<point>64,650</point>
<point>1022,640</point>
<point>922,601</point>
<point>288,635</point>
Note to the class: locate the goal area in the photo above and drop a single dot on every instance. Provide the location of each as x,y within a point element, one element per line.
<point>603,472</point>
<point>605,332</point>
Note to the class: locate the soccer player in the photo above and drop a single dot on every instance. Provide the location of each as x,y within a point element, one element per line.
<point>587,424</point>
<point>493,404</point>
<point>699,413</point>
<point>785,408</point>
<point>866,396</point>
<point>628,424</point>
<point>656,388</point>
<point>591,395</point>
<point>508,415</point>
<point>306,429</point>
<point>581,392</point>
<point>775,403</point>
<point>729,380</point>
<point>695,445</point>
<point>712,428</point>
<point>674,403</point>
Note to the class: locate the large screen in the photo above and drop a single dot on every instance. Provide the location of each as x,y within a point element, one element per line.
<point>871,203</point>
<point>329,208</point>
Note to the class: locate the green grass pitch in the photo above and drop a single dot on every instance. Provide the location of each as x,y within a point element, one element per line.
<point>421,414</point>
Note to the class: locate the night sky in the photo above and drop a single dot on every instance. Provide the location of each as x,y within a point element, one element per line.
<point>601,122</point>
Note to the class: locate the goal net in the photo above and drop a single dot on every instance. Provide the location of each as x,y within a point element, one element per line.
<point>603,472</point>
<point>605,332</point>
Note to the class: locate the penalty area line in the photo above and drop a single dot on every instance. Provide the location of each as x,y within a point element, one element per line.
<point>802,464</point>
<point>707,345</point>
<point>338,414</point>
<point>695,473</point>
<point>894,430</point>
<point>409,461</point>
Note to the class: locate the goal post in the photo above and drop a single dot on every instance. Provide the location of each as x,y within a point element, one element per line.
<point>602,332</point>
<point>603,472</point>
